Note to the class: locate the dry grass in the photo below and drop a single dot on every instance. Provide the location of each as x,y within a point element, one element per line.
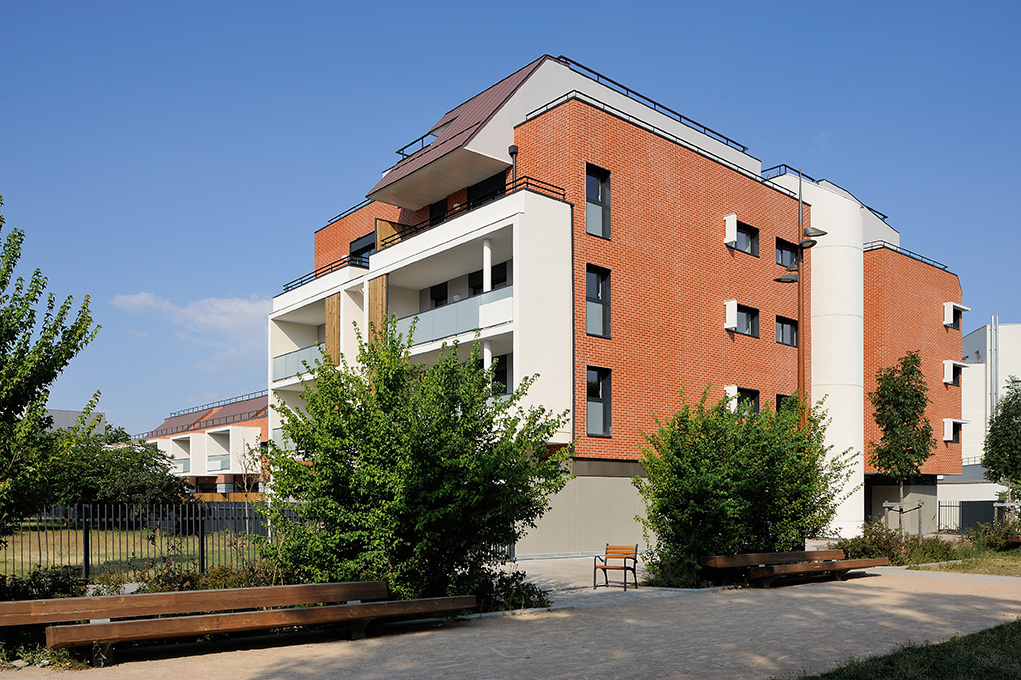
<point>995,564</point>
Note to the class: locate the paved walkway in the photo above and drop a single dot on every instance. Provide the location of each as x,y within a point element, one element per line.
<point>751,633</point>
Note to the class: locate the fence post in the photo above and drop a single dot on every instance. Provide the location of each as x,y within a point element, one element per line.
<point>202,540</point>
<point>86,515</point>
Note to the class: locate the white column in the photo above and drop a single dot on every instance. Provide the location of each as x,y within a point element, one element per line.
<point>487,354</point>
<point>487,265</point>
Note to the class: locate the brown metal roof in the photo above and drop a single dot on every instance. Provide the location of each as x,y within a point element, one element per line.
<point>465,122</point>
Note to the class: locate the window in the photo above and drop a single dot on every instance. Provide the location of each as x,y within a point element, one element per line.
<point>438,212</point>
<point>749,397</point>
<point>597,201</point>
<point>953,313</point>
<point>781,399</point>
<point>597,301</point>
<point>486,190</point>
<point>438,294</point>
<point>786,253</point>
<point>597,413</point>
<point>956,380</point>
<point>503,373</point>
<point>499,278</point>
<point>786,331</point>
<point>747,321</point>
<point>747,239</point>
<point>952,371</point>
<point>956,322</point>
<point>361,248</point>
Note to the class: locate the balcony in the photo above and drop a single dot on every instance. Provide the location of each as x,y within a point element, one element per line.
<point>183,465</point>
<point>220,461</point>
<point>292,363</point>
<point>480,311</point>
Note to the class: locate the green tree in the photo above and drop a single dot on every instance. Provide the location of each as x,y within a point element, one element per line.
<point>898,405</point>
<point>410,475</point>
<point>33,352</point>
<point>1002,458</point>
<point>724,480</point>
<point>108,467</point>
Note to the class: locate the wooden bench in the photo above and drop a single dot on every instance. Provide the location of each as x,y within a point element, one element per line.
<point>764,568</point>
<point>215,611</point>
<point>616,552</point>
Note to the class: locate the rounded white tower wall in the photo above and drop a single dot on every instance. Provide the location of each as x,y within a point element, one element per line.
<point>838,337</point>
<point>837,282</point>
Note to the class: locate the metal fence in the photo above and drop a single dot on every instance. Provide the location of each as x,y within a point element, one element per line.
<point>133,542</point>
<point>960,516</point>
<point>949,517</point>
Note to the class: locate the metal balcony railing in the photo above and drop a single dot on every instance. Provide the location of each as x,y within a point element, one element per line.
<point>361,261</point>
<point>875,245</point>
<point>522,183</point>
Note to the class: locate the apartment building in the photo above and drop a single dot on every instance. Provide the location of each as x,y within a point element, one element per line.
<point>211,444</point>
<point>623,253</point>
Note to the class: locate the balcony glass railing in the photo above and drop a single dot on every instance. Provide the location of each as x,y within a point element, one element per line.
<point>457,317</point>
<point>183,464</point>
<point>291,364</point>
<point>220,461</point>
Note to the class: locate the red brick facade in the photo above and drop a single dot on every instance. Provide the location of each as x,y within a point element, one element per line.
<point>904,311</point>
<point>670,270</point>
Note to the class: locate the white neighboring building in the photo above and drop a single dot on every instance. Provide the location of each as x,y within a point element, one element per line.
<point>992,354</point>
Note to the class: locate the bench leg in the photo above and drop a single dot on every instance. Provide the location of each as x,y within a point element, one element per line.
<point>841,575</point>
<point>102,653</point>
<point>358,629</point>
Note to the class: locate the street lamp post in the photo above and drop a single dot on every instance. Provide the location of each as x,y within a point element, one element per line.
<point>798,274</point>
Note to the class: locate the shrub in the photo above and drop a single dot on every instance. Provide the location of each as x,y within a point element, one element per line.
<point>43,584</point>
<point>994,536</point>
<point>877,540</point>
<point>723,481</point>
<point>507,591</point>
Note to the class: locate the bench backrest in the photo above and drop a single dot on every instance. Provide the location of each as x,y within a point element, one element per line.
<point>620,552</point>
<point>27,612</point>
<point>756,559</point>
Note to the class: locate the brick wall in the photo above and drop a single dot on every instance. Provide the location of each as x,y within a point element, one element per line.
<point>670,270</point>
<point>904,311</point>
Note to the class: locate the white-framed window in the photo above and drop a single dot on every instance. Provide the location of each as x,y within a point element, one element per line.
<point>747,321</point>
<point>952,430</point>
<point>952,371</point>
<point>953,314</point>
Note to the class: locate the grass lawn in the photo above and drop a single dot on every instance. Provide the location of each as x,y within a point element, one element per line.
<point>1007,563</point>
<point>989,654</point>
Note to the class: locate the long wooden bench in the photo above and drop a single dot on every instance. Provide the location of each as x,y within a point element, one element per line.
<point>764,568</point>
<point>624,553</point>
<point>216,611</point>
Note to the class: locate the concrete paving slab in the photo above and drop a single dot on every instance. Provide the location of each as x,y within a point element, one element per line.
<point>746,633</point>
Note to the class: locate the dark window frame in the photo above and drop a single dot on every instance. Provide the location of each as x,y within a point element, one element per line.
<point>601,200</point>
<point>754,314</point>
<point>601,298</point>
<point>603,397</point>
<point>786,248</point>
<point>745,394</point>
<point>439,295</point>
<point>785,323</point>
<point>752,234</point>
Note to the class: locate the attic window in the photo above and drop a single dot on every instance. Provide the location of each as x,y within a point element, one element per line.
<point>436,132</point>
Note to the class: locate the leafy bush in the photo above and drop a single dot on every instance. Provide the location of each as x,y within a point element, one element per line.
<point>994,536</point>
<point>411,475</point>
<point>723,481</point>
<point>508,590</point>
<point>44,584</point>
<point>877,540</point>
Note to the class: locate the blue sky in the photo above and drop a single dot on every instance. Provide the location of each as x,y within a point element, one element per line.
<point>172,160</point>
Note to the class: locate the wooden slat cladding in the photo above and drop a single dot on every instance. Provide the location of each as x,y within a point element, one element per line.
<point>378,291</point>
<point>333,327</point>
<point>384,230</point>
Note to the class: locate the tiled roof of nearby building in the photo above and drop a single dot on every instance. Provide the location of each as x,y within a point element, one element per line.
<point>226,412</point>
<point>462,124</point>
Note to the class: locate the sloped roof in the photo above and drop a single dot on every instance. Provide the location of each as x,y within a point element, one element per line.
<point>462,124</point>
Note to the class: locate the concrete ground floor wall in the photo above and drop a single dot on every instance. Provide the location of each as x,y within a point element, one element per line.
<point>598,506</point>
<point>923,490</point>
